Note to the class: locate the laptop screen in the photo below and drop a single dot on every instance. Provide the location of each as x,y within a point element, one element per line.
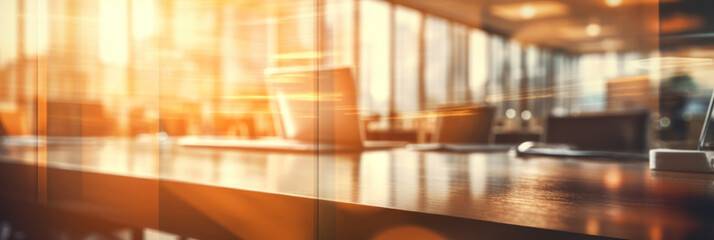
<point>317,105</point>
<point>464,125</point>
<point>706,141</point>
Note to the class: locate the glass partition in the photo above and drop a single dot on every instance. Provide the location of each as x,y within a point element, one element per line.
<point>147,100</point>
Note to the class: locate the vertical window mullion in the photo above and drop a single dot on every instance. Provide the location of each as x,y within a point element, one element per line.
<point>392,73</point>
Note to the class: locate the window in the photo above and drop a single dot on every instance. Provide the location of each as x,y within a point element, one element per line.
<point>339,21</point>
<point>437,61</point>
<point>374,66</point>
<point>406,64</point>
<point>478,64</point>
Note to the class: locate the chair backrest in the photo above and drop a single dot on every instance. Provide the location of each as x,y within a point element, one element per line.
<point>626,131</point>
<point>3,132</point>
<point>13,124</point>
<point>464,125</point>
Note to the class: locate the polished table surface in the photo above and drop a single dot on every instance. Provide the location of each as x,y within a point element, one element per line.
<point>621,199</point>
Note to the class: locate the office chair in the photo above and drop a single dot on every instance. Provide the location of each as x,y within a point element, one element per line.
<point>3,134</point>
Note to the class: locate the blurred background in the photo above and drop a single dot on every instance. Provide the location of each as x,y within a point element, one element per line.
<point>128,68</point>
<point>115,89</point>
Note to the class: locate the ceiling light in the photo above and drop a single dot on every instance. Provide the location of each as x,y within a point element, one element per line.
<point>613,3</point>
<point>528,11</point>
<point>593,29</point>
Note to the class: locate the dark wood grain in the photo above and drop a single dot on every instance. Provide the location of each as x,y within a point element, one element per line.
<point>582,196</point>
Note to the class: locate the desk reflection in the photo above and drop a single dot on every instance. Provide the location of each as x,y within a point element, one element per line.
<point>620,199</point>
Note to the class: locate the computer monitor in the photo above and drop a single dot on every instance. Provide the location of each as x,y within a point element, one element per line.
<point>706,140</point>
<point>316,105</point>
<point>620,132</point>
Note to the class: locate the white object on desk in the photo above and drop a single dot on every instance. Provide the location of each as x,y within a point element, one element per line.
<point>688,160</point>
<point>681,160</point>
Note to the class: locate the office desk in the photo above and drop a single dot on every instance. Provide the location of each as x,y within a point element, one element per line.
<point>217,194</point>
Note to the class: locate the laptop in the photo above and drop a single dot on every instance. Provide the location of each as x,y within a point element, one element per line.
<point>464,125</point>
<point>463,129</point>
<point>705,139</point>
<point>309,116</point>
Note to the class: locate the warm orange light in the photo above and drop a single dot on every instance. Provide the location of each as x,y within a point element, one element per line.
<point>408,232</point>
<point>592,226</point>
<point>680,23</point>
<point>656,232</point>
<point>299,55</point>
<point>527,11</point>
<point>593,29</point>
<point>613,3</point>
<point>613,179</point>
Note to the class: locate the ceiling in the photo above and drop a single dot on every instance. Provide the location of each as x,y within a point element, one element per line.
<point>632,25</point>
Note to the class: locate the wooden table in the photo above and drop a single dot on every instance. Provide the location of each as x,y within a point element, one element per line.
<point>120,184</point>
